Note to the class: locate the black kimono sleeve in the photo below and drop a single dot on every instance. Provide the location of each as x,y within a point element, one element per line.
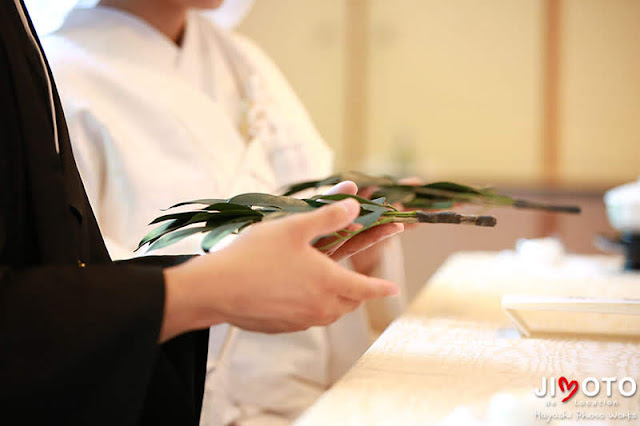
<point>78,345</point>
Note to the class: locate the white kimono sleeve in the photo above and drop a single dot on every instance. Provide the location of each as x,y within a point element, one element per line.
<point>88,138</point>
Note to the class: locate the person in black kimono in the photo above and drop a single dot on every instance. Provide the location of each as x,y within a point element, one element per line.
<point>85,341</point>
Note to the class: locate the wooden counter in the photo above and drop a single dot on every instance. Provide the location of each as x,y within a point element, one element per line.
<point>444,361</point>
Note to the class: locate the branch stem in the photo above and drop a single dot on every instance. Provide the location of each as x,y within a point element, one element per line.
<point>442,217</point>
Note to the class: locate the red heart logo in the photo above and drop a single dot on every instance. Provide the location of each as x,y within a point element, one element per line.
<point>569,385</point>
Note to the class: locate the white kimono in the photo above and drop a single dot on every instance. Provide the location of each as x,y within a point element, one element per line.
<point>153,124</point>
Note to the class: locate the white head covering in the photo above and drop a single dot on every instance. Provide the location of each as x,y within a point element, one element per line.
<point>231,13</point>
<point>48,15</point>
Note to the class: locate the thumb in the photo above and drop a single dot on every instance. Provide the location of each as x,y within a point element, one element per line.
<point>325,220</point>
<point>344,187</point>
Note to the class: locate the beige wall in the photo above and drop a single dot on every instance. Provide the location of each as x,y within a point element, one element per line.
<point>600,91</point>
<point>454,88</point>
<point>458,81</point>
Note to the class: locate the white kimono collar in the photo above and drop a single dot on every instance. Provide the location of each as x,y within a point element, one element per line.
<point>115,33</point>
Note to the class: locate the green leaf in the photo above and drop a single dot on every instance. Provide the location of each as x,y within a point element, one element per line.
<point>299,187</point>
<point>331,180</point>
<point>423,203</point>
<point>200,217</point>
<point>313,203</point>
<point>452,191</point>
<point>267,200</point>
<point>184,217</point>
<point>370,218</point>
<point>451,187</point>
<point>340,197</point>
<point>226,206</point>
<point>188,218</point>
<point>361,179</point>
<point>220,219</point>
<point>366,208</point>
<point>277,215</point>
<point>176,236</point>
<point>159,232</point>
<point>214,236</point>
<point>396,194</point>
<point>207,201</point>
<point>237,213</point>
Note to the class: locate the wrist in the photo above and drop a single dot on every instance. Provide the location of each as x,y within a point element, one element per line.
<point>185,308</point>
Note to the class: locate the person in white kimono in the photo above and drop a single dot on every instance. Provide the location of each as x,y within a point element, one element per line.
<point>166,110</point>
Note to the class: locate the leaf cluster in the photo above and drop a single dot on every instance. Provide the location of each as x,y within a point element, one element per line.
<point>433,196</point>
<point>219,218</point>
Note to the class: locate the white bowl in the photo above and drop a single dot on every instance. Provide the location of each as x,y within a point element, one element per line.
<point>623,207</point>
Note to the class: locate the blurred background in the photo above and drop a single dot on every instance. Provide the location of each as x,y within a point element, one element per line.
<point>540,98</point>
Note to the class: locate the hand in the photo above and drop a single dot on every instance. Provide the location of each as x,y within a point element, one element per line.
<point>363,243</point>
<point>270,279</point>
<point>366,261</point>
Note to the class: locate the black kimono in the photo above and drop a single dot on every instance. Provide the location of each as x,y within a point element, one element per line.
<point>78,333</point>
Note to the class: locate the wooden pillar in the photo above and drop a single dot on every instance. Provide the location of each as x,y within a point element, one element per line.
<point>552,28</point>
<point>356,82</point>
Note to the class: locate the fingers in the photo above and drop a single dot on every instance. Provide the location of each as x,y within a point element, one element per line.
<point>348,305</point>
<point>345,187</point>
<point>413,181</point>
<point>325,220</point>
<point>367,192</point>
<point>366,239</point>
<point>331,240</point>
<point>358,288</point>
<point>331,218</point>
<point>340,306</point>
